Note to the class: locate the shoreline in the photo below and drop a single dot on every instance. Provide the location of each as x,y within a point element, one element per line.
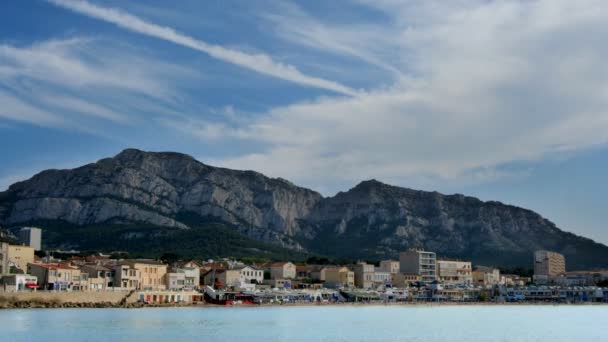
<point>137,305</point>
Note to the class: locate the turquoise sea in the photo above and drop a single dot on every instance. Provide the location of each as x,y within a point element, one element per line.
<point>313,323</point>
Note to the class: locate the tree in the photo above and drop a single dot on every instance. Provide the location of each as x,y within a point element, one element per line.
<point>170,258</point>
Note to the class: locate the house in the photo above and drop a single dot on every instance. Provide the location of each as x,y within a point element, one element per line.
<point>59,277</point>
<point>282,270</point>
<point>339,277</point>
<point>192,274</point>
<point>304,272</point>
<point>222,278</point>
<point>126,276</point>
<point>176,280</point>
<point>101,278</point>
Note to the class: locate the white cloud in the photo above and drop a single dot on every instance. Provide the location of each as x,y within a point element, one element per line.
<point>490,83</point>
<point>261,63</point>
<point>67,83</point>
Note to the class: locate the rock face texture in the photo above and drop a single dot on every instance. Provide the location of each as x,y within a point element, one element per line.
<point>372,220</point>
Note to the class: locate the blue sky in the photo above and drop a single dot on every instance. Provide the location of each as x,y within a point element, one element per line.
<point>504,100</point>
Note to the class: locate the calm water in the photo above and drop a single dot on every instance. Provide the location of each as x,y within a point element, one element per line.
<point>371,323</point>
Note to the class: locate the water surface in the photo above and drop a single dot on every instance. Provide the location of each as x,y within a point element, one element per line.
<point>327,323</point>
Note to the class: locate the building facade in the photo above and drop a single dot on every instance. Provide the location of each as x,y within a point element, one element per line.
<point>486,276</point>
<point>282,270</point>
<point>126,276</point>
<point>547,266</point>
<point>20,256</point>
<point>336,277</point>
<point>364,275</point>
<point>31,236</point>
<point>455,272</point>
<point>58,277</point>
<point>390,266</point>
<point>151,274</point>
<point>419,262</point>
<point>4,267</point>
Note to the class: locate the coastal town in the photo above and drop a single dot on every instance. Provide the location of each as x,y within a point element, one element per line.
<point>418,276</point>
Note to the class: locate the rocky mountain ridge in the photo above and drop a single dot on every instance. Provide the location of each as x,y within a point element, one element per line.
<point>373,220</point>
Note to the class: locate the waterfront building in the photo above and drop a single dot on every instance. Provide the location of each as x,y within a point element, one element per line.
<point>364,275</point>
<point>486,276</point>
<point>176,280</point>
<point>381,277</point>
<point>423,263</point>
<point>101,278</point>
<point>279,283</point>
<point>454,272</point>
<point>4,266</point>
<point>250,275</point>
<point>547,266</point>
<point>337,277</point>
<point>18,282</point>
<point>191,271</point>
<point>20,256</point>
<point>126,276</point>
<point>282,270</point>
<point>151,273</point>
<point>31,236</point>
<point>405,280</point>
<point>390,266</point>
<point>59,277</point>
<point>304,272</point>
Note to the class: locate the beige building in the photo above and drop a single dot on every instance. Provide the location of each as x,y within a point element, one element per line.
<point>390,266</point>
<point>547,266</point>
<point>126,276</point>
<point>486,276</point>
<point>423,263</point>
<point>4,267</point>
<point>364,275</point>
<point>58,277</point>
<point>455,272</point>
<point>151,273</point>
<point>20,256</point>
<point>404,280</point>
<point>101,278</point>
<point>336,277</point>
<point>282,270</point>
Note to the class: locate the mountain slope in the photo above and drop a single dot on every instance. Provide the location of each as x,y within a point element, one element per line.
<point>156,201</point>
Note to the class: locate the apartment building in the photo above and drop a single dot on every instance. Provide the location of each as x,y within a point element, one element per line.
<point>455,272</point>
<point>419,262</point>
<point>364,275</point>
<point>547,266</point>
<point>20,256</point>
<point>31,236</point>
<point>151,273</point>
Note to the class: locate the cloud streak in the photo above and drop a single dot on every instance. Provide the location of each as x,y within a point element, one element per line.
<point>260,63</point>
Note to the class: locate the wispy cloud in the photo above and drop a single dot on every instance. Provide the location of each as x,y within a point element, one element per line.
<point>492,83</point>
<point>261,63</point>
